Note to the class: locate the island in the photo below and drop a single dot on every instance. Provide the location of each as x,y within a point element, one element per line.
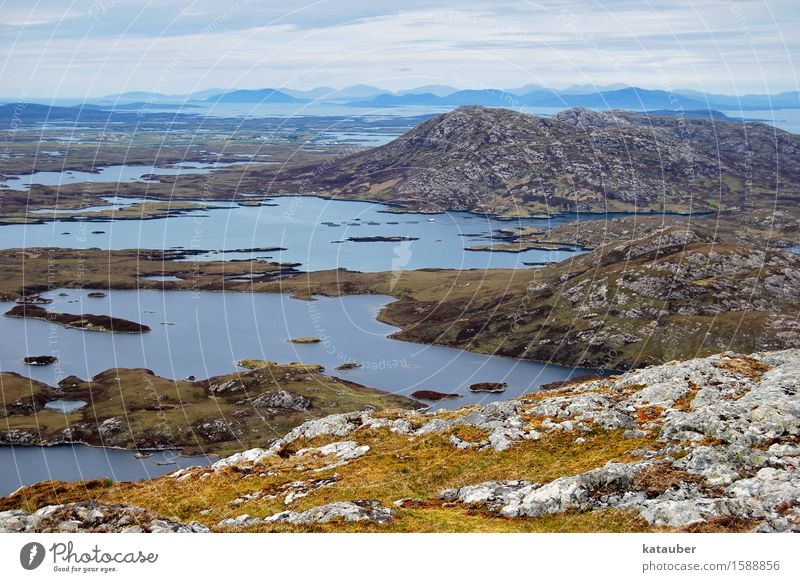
<point>86,322</point>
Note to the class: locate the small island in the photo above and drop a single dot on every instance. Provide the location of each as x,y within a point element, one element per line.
<point>305,340</point>
<point>491,387</point>
<point>39,360</point>
<point>86,322</point>
<point>433,395</point>
<point>348,366</point>
<point>381,238</point>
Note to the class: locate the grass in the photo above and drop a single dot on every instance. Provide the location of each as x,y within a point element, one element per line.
<point>394,468</point>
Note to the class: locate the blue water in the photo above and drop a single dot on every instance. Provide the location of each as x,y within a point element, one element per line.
<point>27,465</point>
<point>65,406</point>
<point>109,174</point>
<point>313,230</point>
<point>203,334</point>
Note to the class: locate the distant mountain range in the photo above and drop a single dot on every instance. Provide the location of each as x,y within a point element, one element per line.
<point>590,96</point>
<point>633,98</point>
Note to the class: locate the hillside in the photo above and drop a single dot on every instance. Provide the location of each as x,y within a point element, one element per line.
<point>503,162</point>
<point>701,445</point>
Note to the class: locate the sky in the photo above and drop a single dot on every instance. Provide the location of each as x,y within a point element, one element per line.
<point>85,48</point>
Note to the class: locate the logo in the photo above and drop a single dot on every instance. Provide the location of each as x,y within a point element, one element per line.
<point>31,555</point>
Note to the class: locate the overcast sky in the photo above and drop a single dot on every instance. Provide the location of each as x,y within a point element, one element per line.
<point>58,48</point>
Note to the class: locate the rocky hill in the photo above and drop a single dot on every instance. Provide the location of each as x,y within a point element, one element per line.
<point>701,445</point>
<point>503,162</point>
<point>674,294</point>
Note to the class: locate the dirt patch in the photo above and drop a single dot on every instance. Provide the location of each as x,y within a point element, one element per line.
<point>656,479</point>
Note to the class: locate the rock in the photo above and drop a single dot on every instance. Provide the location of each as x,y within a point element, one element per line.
<point>634,434</point>
<point>283,399</point>
<point>91,517</point>
<point>250,456</point>
<point>219,430</point>
<point>243,520</point>
<point>351,511</point>
<point>226,386</point>
<point>345,450</point>
<point>112,426</point>
<point>491,493</point>
<point>336,424</point>
<point>680,513</point>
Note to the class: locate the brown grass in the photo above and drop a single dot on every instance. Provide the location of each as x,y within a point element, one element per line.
<point>745,366</point>
<point>396,467</point>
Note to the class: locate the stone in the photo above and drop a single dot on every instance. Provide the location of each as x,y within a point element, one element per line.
<point>282,399</point>
<point>352,511</point>
<point>91,517</point>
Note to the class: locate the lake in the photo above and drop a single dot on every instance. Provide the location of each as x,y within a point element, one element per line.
<point>203,334</point>
<point>313,230</point>
<point>111,174</point>
<point>27,465</point>
<point>206,333</point>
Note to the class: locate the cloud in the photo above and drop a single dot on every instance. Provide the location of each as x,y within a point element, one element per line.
<point>105,46</point>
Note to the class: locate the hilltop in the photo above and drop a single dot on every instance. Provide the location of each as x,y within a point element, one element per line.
<point>701,445</point>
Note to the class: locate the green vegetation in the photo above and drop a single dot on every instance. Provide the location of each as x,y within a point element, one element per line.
<point>348,366</point>
<point>135,409</point>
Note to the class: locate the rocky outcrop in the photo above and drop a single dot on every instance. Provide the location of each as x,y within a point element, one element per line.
<point>92,517</point>
<point>281,399</point>
<point>350,511</point>
<point>728,445</point>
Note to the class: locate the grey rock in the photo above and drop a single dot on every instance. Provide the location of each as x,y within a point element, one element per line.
<point>352,511</point>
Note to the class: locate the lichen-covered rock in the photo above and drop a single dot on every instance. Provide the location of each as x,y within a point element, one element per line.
<point>282,399</point>
<point>734,420</point>
<point>363,510</point>
<point>92,517</point>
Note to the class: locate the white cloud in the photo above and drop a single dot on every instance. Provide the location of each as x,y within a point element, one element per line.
<point>747,45</point>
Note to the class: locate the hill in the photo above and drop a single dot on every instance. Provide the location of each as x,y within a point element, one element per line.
<point>255,96</point>
<point>704,445</point>
<point>502,162</point>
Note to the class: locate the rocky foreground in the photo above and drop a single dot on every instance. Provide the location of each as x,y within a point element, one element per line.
<point>708,444</point>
